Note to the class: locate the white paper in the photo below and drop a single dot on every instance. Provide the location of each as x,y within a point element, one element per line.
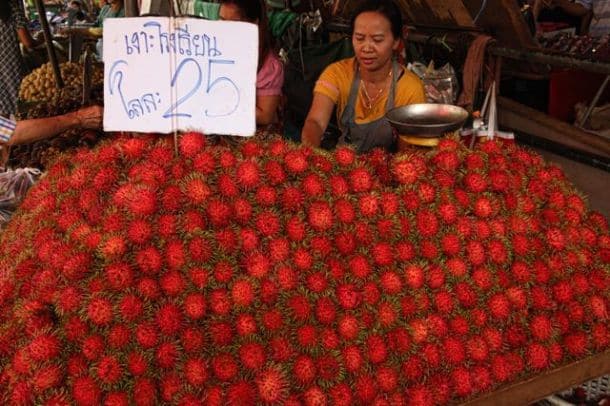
<point>166,74</point>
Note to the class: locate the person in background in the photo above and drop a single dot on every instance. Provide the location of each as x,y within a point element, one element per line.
<point>75,12</point>
<point>366,86</point>
<point>113,9</point>
<point>13,29</point>
<point>270,73</point>
<point>593,14</point>
<point>32,130</point>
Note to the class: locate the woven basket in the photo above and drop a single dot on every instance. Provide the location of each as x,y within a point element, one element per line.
<point>593,389</point>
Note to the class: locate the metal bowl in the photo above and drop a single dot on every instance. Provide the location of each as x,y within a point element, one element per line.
<point>426,120</point>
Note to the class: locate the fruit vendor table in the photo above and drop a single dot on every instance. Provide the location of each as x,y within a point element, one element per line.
<point>272,273</point>
<point>534,389</point>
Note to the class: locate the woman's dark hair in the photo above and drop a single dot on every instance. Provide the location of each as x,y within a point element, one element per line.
<point>5,11</point>
<point>387,8</point>
<point>253,10</point>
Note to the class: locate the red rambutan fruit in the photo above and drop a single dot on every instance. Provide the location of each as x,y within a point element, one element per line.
<point>169,319</point>
<point>365,388</point>
<point>320,216</point>
<point>360,180</point>
<point>576,343</point>
<point>405,171</point>
<point>249,237</point>
<point>99,311</point>
<point>224,367</point>
<point>242,292</point>
<point>192,340</point>
<point>204,163</point>
<point>426,223</point>
<point>242,210</point>
<point>272,386</point>
<point>196,371</point>
<point>252,355</point>
<point>493,338</point>
<point>272,320</point>
<point>109,370</point>
<point>119,336</point>
<point>130,307</point>
<point>195,306</point>
<point>414,276</point>
<point>191,143</point>
<point>296,161</point>
<point>136,363</point>
<point>144,392</point>
<point>226,240</point>
<point>266,195</point>
<point>219,213</point>
<point>257,265</point>
<point>119,276</point>
<point>85,391</point>
<point>360,266</point>
<point>304,369</point>
<point>172,283</point>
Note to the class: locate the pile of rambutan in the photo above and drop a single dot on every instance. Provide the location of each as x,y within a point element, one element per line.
<point>272,273</point>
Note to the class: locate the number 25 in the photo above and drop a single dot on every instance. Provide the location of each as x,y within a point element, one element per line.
<point>219,80</point>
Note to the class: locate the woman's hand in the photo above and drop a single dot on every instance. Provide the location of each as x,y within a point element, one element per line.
<point>90,117</point>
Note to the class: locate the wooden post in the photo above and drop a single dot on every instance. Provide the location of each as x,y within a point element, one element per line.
<point>131,8</point>
<point>42,15</point>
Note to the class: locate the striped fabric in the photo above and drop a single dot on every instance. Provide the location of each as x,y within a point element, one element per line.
<point>7,127</point>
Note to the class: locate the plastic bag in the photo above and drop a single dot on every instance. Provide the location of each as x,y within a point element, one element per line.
<point>14,185</point>
<point>440,85</point>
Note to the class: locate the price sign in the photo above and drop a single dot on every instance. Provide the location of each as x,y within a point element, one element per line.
<point>164,74</point>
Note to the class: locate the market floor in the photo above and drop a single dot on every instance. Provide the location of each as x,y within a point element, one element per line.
<point>593,182</point>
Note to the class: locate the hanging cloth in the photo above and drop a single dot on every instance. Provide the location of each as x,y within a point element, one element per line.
<point>473,68</point>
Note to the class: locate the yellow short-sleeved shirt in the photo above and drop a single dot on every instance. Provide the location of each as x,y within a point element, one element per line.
<point>336,81</point>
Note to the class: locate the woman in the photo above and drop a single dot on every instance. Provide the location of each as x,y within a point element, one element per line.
<point>270,74</point>
<point>366,86</point>
<point>113,9</point>
<point>13,28</point>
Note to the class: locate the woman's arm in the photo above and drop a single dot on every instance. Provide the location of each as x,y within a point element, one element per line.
<point>266,108</point>
<point>28,131</point>
<point>317,120</point>
<point>571,8</point>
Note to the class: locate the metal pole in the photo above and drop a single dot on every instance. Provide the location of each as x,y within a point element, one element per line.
<point>594,101</point>
<point>86,78</point>
<point>42,15</point>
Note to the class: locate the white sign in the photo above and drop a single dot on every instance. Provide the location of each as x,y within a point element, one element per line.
<point>165,74</point>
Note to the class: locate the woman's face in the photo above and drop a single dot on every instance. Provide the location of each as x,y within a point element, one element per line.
<point>230,12</point>
<point>373,40</point>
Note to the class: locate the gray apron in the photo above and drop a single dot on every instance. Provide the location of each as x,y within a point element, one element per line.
<point>374,134</point>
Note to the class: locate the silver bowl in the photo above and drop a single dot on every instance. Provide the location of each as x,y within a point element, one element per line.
<point>426,120</point>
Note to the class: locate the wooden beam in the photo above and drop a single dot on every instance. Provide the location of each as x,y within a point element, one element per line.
<point>547,383</point>
<point>502,19</point>
<point>519,118</point>
<point>441,13</point>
